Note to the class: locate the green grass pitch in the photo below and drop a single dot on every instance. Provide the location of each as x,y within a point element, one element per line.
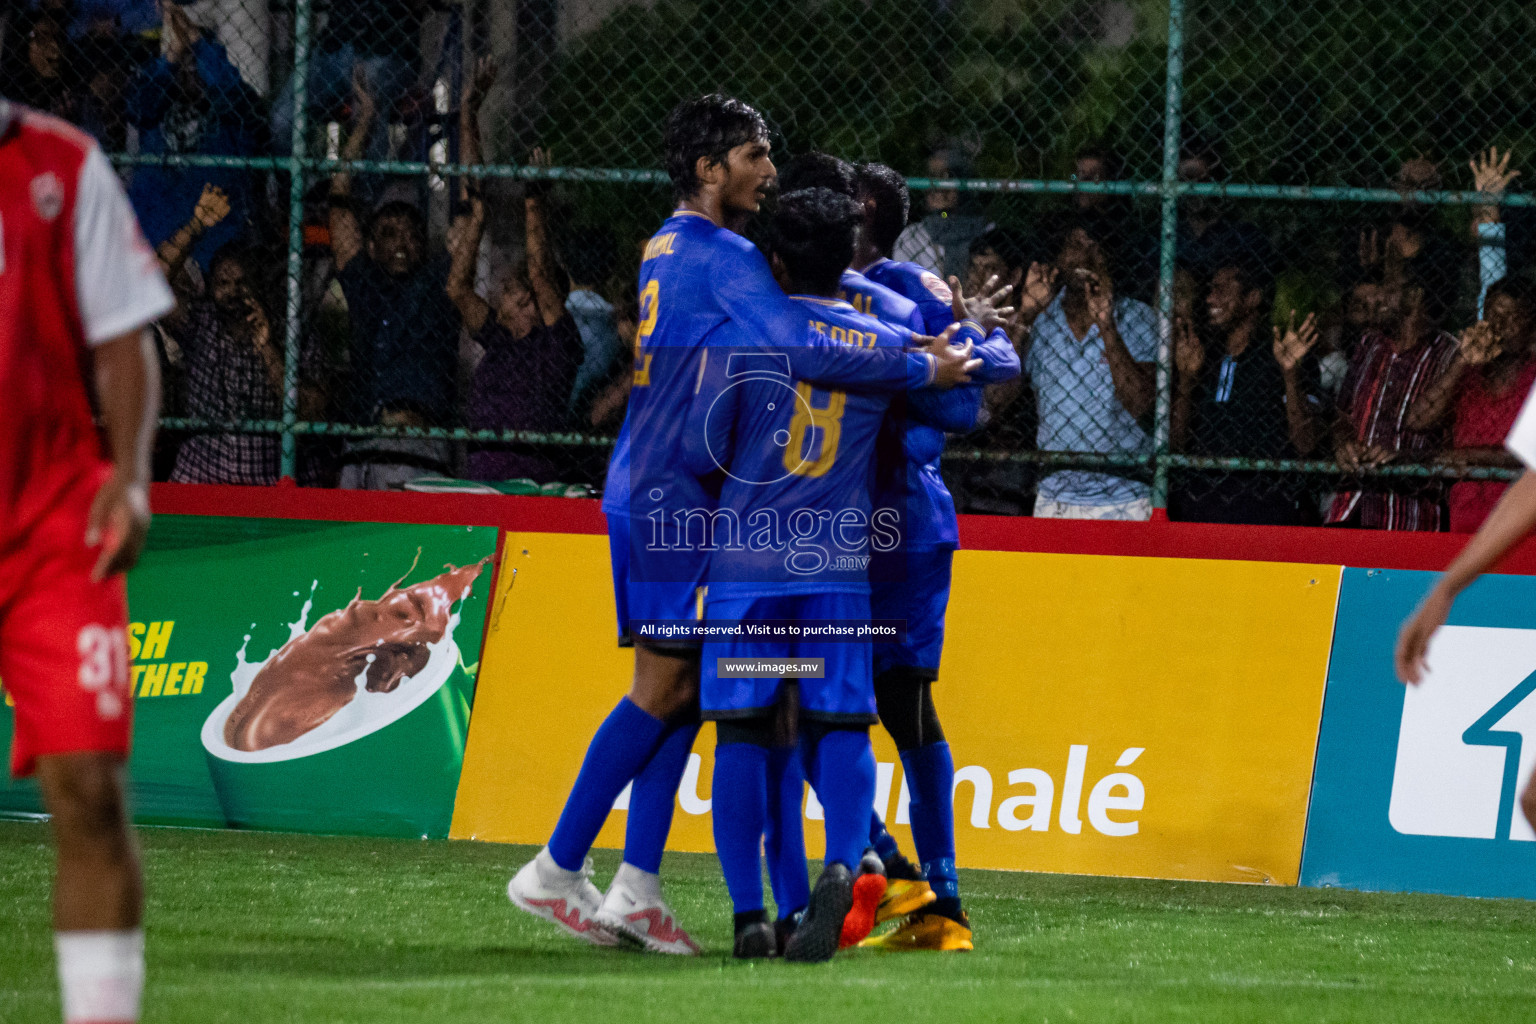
<point>250,928</point>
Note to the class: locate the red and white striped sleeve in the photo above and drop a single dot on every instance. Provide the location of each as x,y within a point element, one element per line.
<point>118,283</point>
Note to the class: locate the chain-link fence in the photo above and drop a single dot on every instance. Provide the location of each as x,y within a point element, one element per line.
<point>1264,286</point>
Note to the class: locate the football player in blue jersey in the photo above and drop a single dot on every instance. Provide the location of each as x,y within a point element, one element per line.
<point>883,194</point>
<point>912,583</point>
<point>823,170</point>
<point>697,275</point>
<point>790,542</point>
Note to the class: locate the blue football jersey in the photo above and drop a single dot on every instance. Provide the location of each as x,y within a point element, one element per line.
<point>797,461</point>
<point>918,485</point>
<point>929,416</point>
<point>880,302</point>
<point>696,277</point>
<point>918,284</point>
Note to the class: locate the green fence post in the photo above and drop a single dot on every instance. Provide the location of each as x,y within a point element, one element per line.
<point>294,323</point>
<point>1173,122</point>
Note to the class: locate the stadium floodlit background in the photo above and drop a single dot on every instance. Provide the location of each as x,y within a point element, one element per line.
<point>1322,146</point>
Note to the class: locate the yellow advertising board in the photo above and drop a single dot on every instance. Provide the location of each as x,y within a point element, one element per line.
<point>1108,715</point>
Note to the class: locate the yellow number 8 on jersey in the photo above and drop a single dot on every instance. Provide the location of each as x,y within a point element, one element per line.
<point>829,419</point>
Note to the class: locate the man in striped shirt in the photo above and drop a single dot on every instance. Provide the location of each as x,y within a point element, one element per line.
<point>1387,373</point>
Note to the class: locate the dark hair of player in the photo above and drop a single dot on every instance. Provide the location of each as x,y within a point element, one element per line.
<point>709,127</point>
<point>817,170</point>
<point>813,235</point>
<point>893,203</point>
<point>402,210</point>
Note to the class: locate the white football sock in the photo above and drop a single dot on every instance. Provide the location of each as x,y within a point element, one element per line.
<point>101,975</point>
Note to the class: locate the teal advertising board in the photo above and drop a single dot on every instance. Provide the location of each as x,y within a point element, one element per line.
<point>300,675</point>
<point>1416,789</point>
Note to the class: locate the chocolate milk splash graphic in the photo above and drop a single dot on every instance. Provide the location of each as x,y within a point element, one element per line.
<point>316,673</point>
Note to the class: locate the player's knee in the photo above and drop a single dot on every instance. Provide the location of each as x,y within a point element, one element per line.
<point>85,799</point>
<point>666,682</point>
<point>904,698</point>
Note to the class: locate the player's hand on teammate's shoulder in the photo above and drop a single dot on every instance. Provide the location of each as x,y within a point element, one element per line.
<point>118,522</point>
<point>953,364</point>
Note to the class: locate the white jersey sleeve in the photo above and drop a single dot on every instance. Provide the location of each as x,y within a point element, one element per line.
<point>118,284</point>
<point>1522,436</point>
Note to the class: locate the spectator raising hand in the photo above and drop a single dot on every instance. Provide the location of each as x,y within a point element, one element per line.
<point>180,34</point>
<point>211,209</point>
<point>192,102</point>
<point>532,346</point>
<point>1479,344</point>
<point>476,86</point>
<point>1293,343</point>
<point>1490,174</point>
<point>1039,289</point>
<point>1188,351</point>
<point>1476,347</point>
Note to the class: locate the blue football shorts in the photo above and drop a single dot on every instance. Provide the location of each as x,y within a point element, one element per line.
<point>654,586</point>
<point>845,694</point>
<point>914,589</point>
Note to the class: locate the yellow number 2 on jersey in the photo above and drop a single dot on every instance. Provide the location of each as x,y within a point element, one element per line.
<point>648,313</point>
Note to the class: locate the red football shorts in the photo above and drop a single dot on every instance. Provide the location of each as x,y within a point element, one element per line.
<point>63,640</point>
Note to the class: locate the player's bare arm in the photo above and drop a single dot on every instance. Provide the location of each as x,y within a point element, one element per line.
<point>126,378</point>
<point>1511,520</point>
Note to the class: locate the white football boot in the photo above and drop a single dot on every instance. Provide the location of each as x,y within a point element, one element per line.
<point>566,898</point>
<point>634,911</point>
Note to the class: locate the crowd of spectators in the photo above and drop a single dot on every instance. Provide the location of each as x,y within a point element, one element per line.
<point>474,324</point>
<point>1412,348</point>
<point>500,308</point>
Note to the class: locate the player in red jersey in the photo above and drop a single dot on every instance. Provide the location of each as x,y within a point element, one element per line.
<point>78,285</point>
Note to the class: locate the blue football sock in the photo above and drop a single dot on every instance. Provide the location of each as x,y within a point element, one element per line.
<point>931,779</point>
<point>619,750</point>
<point>845,774</point>
<point>654,798</point>
<point>740,812</point>
<point>784,838</point>
<point>883,842</point>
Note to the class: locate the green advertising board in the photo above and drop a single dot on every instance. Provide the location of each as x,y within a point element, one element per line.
<point>300,675</point>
